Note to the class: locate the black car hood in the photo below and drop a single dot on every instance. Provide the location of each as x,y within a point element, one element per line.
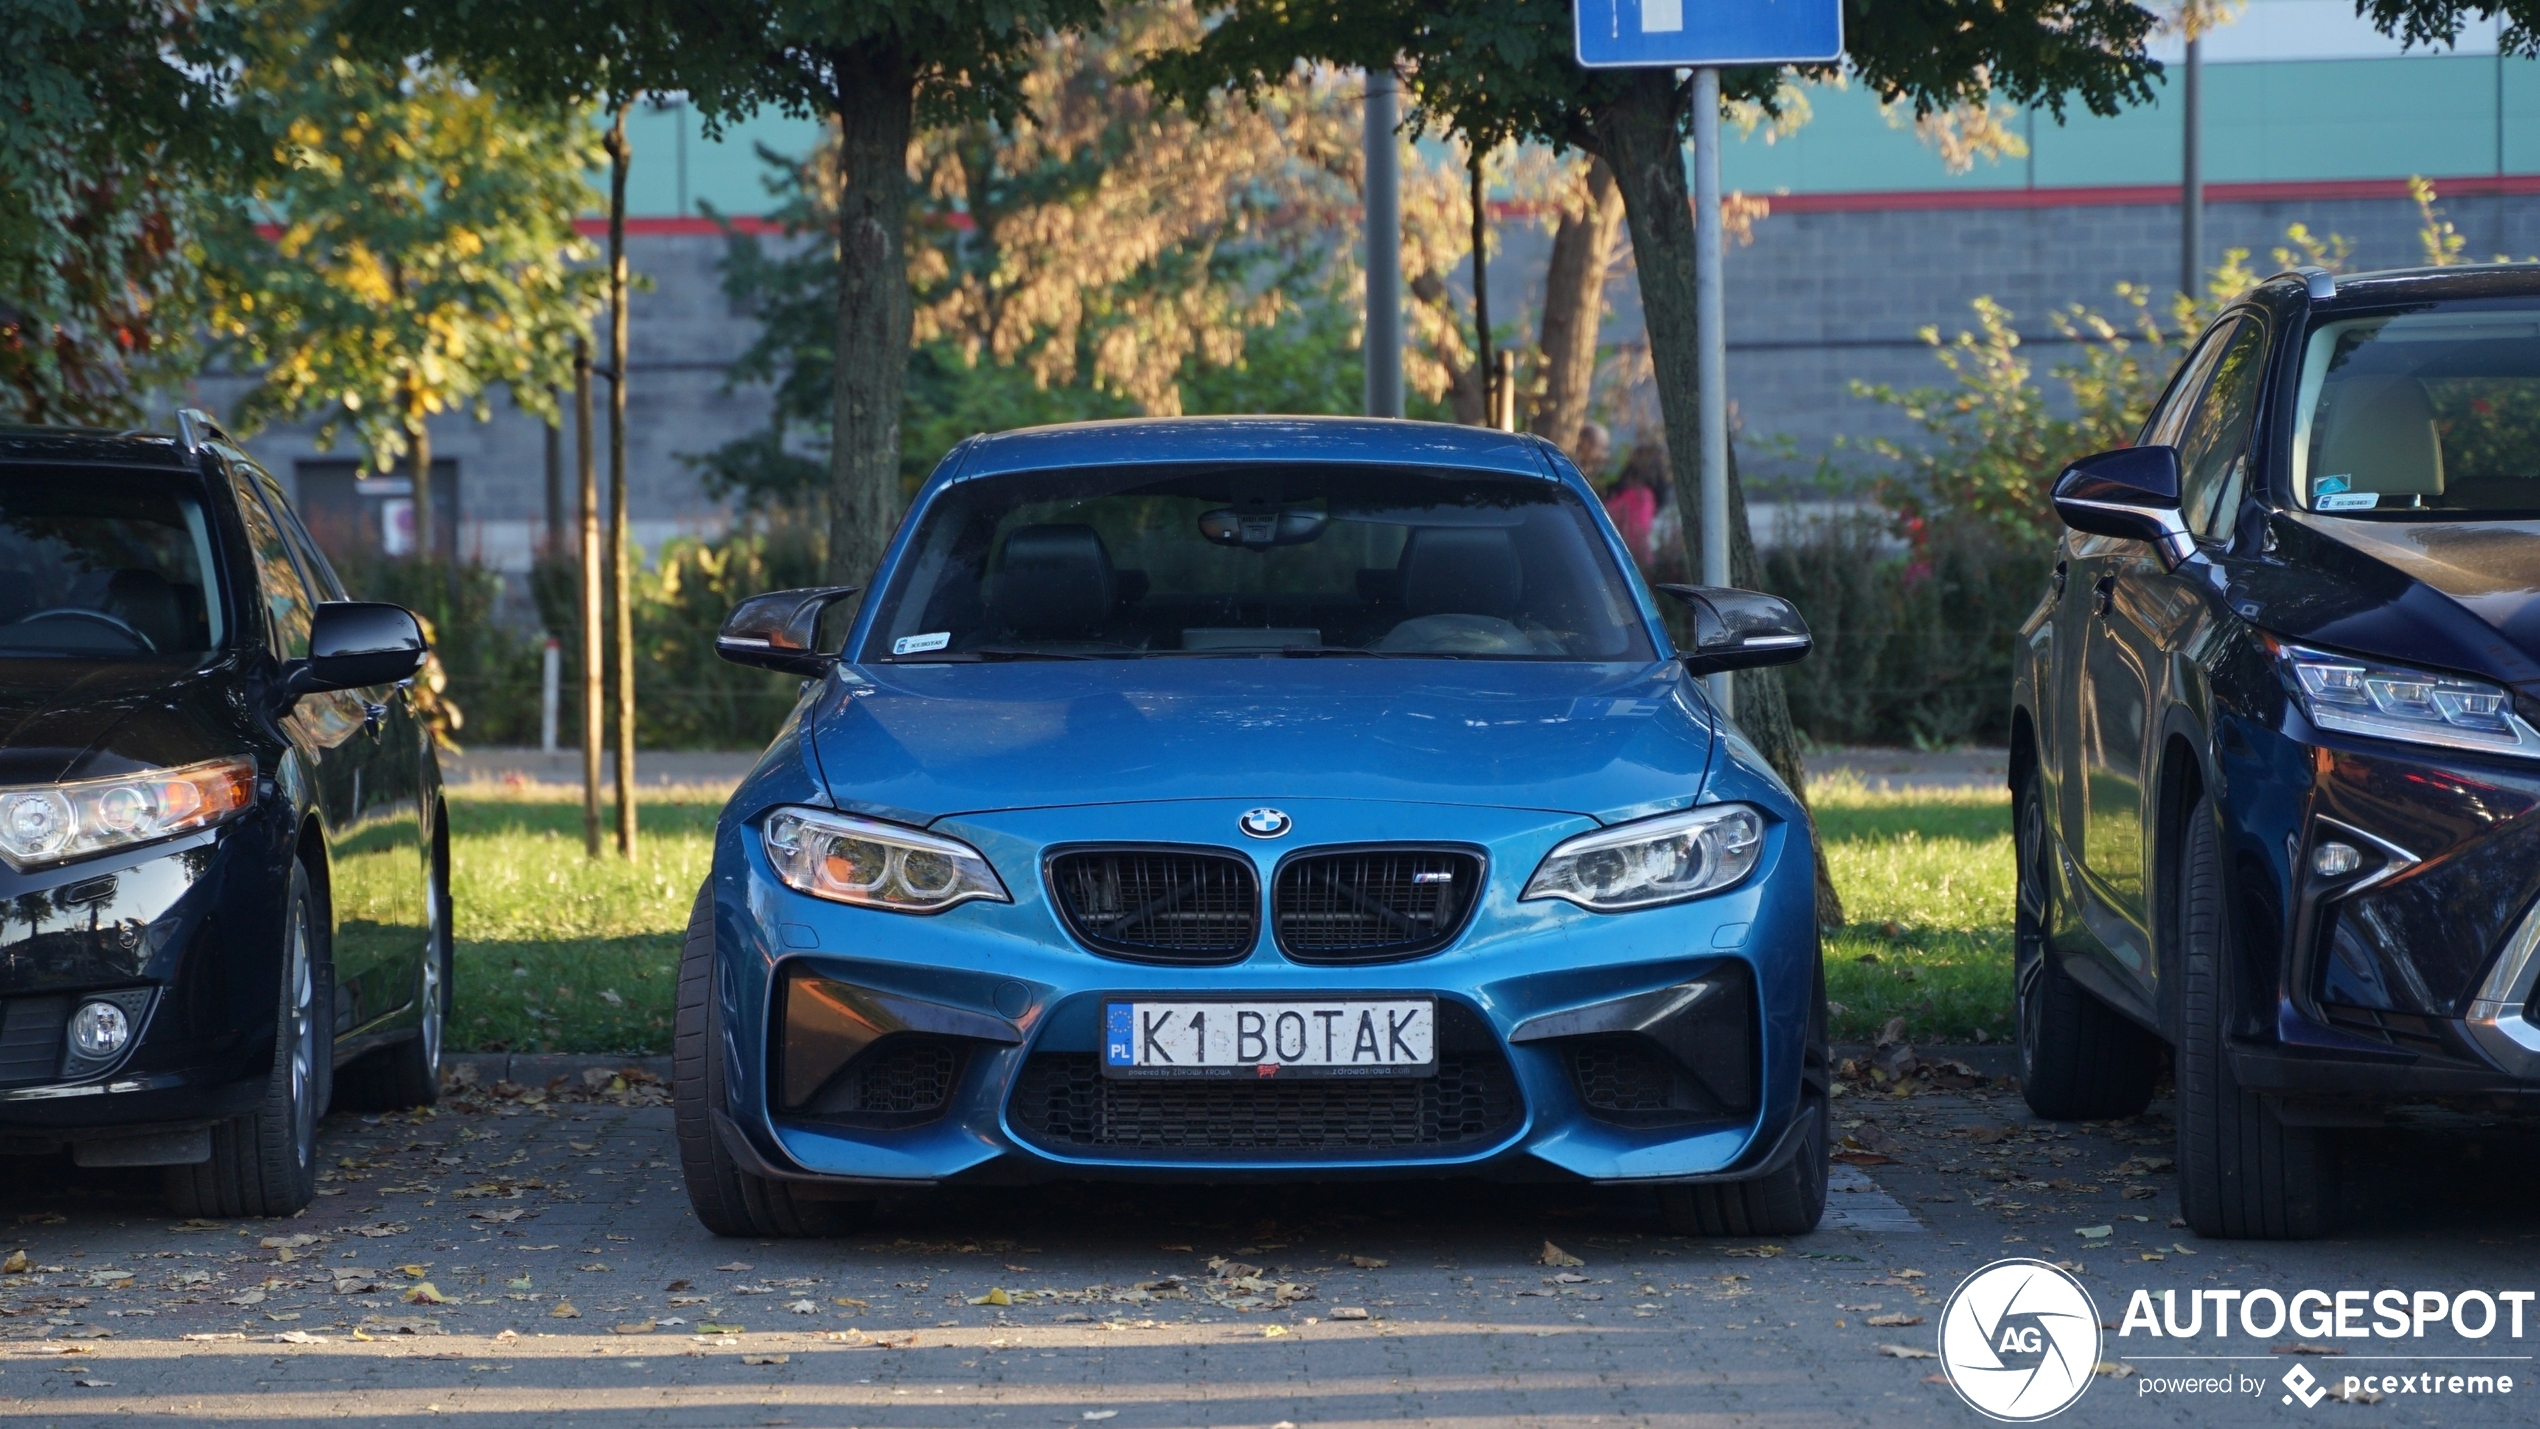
<point>62,719</point>
<point>2459,595</point>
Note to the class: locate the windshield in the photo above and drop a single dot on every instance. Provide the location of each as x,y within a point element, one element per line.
<point>105,564</point>
<point>2430,411</point>
<point>1112,562</point>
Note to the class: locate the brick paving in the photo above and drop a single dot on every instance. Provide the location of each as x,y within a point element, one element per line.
<point>577,1290</point>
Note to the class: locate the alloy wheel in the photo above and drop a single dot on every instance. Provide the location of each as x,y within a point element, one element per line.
<point>298,1029</point>
<point>2030,917</point>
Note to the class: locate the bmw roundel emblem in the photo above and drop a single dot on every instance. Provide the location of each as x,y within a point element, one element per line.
<point>1265,823</point>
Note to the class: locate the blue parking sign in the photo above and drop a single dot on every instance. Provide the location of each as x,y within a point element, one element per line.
<point>1694,34</point>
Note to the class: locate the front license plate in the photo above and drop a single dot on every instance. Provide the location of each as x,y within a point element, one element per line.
<point>1333,1037</point>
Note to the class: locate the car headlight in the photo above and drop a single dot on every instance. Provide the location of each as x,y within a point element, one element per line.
<point>1653,861</point>
<point>2355,695</point>
<point>876,865</point>
<point>52,823</point>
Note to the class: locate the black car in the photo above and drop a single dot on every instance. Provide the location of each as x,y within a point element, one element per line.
<point>224,878</point>
<point>2276,741</point>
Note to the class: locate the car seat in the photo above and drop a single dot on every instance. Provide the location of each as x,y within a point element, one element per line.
<point>2381,436</point>
<point>1054,584</point>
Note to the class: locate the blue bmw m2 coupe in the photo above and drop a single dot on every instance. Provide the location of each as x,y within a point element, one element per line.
<point>1249,799</point>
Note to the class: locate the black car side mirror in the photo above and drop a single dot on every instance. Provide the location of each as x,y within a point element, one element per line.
<point>354,644</point>
<point>2131,493</point>
<point>781,630</point>
<point>1740,629</point>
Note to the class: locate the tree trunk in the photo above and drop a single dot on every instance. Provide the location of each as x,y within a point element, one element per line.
<point>1574,308</point>
<point>587,523</point>
<point>1484,368</point>
<point>875,99</point>
<point>1639,138</point>
<point>621,544</point>
<point>419,474</point>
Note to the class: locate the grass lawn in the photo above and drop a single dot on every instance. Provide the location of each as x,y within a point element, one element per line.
<point>561,953</point>
<point>1926,884</point>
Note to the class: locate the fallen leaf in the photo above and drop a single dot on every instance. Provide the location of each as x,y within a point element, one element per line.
<point>2115,1369</point>
<point>16,1264</point>
<point>2304,1347</point>
<point>765,1359</point>
<point>640,1327</point>
<point>711,1328</point>
<point>210,1337</point>
<point>1348,1312</point>
<point>1753,1252</point>
<point>1555,1255</point>
<point>1365,1262</point>
<point>737,1266</point>
<point>94,1383</point>
<point>425,1293</point>
<point>1892,1321</point>
<point>298,1337</point>
<point>287,1242</point>
<point>564,1311</point>
<point>993,1297</point>
<point>414,1272</point>
<point>499,1217</point>
<point>2094,1232</point>
<point>246,1297</point>
<point>1907,1352</point>
<point>1272,1332</point>
<point>1863,1158</point>
<point>1101,1413</point>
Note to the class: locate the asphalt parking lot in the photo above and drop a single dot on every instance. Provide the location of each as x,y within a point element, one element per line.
<point>529,1259</point>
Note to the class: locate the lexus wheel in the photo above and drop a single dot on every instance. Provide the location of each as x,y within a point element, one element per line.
<point>2080,1059</point>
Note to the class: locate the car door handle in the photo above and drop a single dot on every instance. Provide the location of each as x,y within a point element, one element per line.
<point>2101,592</point>
<point>2061,574</point>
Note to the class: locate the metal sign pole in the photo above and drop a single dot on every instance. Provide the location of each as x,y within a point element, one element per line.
<point>1383,344</point>
<point>1711,357</point>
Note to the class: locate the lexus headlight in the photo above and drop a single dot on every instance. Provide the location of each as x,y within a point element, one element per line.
<point>51,823</point>
<point>2359,696</point>
<point>1653,861</point>
<point>876,865</point>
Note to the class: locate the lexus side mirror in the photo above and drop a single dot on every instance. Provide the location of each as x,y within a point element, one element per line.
<point>355,644</point>
<point>1740,629</point>
<point>2130,493</point>
<point>781,630</point>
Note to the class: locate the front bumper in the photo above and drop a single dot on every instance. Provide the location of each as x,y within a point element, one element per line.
<point>874,1048</point>
<point>2413,976</point>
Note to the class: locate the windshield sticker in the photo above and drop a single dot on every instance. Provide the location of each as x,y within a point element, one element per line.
<point>2349,501</point>
<point>2331,485</point>
<point>920,644</point>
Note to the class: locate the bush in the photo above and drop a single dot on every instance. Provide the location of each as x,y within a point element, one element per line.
<point>1913,645</point>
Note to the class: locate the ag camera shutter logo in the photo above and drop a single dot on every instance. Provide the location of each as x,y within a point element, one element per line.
<point>2020,1339</point>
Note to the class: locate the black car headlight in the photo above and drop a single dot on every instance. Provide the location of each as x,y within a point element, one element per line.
<point>876,865</point>
<point>44,824</point>
<point>2356,695</point>
<point>1652,861</point>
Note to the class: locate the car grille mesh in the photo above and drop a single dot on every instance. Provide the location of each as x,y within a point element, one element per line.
<point>31,1039</point>
<point>903,1076</point>
<point>1614,1076</point>
<point>1159,905</point>
<point>1373,905</point>
<point>1063,1102</point>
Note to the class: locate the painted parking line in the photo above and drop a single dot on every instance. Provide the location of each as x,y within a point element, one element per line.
<point>1854,1202</point>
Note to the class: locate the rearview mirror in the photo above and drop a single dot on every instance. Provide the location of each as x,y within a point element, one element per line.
<point>354,644</point>
<point>1740,629</point>
<point>781,630</point>
<point>2130,493</point>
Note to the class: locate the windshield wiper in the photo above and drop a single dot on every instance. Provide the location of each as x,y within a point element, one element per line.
<point>989,654</point>
<point>1309,652</point>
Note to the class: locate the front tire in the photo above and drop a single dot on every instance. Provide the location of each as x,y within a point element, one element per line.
<point>2243,1173</point>
<point>728,1200</point>
<point>265,1163</point>
<point>2080,1059</point>
<point>1791,1200</point>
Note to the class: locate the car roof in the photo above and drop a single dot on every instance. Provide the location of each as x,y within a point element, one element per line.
<point>92,444</point>
<point>1316,440</point>
<point>2404,285</point>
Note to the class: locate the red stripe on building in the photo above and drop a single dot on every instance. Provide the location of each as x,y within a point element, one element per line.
<point>2112,195</point>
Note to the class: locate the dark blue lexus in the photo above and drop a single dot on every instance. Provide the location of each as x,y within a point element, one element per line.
<point>2275,762</point>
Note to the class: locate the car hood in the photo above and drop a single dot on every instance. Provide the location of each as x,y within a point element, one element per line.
<point>2454,594</point>
<point>922,742</point>
<point>62,718</point>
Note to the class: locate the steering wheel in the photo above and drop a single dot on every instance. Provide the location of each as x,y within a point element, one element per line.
<point>103,617</point>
